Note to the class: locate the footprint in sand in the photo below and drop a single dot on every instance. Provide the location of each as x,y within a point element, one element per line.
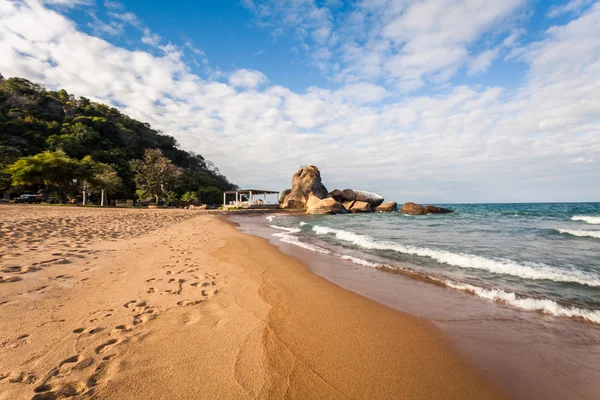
<point>151,290</point>
<point>150,280</point>
<point>105,346</point>
<point>52,392</point>
<point>7,279</point>
<point>135,303</point>
<point>13,344</point>
<point>189,302</point>
<point>19,377</point>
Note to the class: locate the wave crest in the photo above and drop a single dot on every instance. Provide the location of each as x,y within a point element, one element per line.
<point>527,303</point>
<point>587,219</point>
<point>534,271</point>
<point>575,232</point>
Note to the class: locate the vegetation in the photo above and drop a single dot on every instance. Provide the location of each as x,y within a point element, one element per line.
<point>190,197</point>
<point>49,138</point>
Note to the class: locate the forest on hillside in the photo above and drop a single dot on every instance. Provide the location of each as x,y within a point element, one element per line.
<point>40,128</point>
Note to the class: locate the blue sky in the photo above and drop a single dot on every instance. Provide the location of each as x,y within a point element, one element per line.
<point>420,100</point>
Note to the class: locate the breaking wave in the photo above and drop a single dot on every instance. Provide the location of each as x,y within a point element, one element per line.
<point>529,270</point>
<point>288,237</point>
<point>360,261</point>
<point>588,219</point>
<point>527,303</point>
<point>574,232</point>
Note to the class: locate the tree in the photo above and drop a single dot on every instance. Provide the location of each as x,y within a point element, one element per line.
<point>210,195</point>
<point>8,155</point>
<point>107,180</point>
<point>190,197</point>
<point>75,140</point>
<point>155,174</point>
<point>102,178</point>
<point>55,170</point>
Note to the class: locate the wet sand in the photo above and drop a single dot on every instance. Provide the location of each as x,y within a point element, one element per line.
<point>529,355</point>
<point>128,304</point>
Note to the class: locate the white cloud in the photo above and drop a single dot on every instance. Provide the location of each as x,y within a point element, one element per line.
<point>573,6</point>
<point>482,62</point>
<point>68,3</point>
<point>459,143</point>
<point>247,78</point>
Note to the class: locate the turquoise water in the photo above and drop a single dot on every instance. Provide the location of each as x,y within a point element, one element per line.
<point>536,257</point>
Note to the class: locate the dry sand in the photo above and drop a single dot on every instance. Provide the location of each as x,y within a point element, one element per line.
<point>177,304</point>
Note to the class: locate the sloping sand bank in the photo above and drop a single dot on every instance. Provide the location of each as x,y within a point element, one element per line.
<point>190,308</point>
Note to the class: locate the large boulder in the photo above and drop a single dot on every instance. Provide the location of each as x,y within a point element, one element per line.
<point>416,209</point>
<point>348,195</point>
<point>337,195</point>
<point>306,182</point>
<point>361,207</point>
<point>283,195</point>
<point>348,205</point>
<point>387,207</point>
<point>324,206</point>
<point>357,195</point>
<point>372,198</point>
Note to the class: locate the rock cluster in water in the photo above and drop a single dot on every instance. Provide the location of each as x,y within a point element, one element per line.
<point>308,193</point>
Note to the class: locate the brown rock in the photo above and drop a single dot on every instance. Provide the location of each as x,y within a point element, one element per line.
<point>416,209</point>
<point>325,206</point>
<point>361,207</point>
<point>387,207</point>
<point>337,195</point>
<point>348,205</point>
<point>357,195</point>
<point>348,195</point>
<point>305,182</point>
<point>283,195</point>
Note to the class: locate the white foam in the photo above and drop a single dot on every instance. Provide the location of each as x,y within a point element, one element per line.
<point>535,271</point>
<point>574,232</point>
<point>370,196</point>
<point>288,237</point>
<point>588,219</point>
<point>283,228</point>
<point>526,303</point>
<point>302,223</point>
<point>270,218</point>
<point>360,261</point>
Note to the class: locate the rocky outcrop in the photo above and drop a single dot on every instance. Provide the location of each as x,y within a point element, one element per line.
<point>356,195</point>
<point>337,195</point>
<point>283,195</point>
<point>324,206</point>
<point>372,198</point>
<point>306,182</point>
<point>387,207</point>
<point>361,207</point>
<point>348,205</point>
<point>416,209</point>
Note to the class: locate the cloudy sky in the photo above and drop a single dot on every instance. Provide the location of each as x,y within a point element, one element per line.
<point>419,100</point>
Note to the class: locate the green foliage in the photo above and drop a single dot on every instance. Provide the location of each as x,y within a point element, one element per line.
<point>210,195</point>
<point>35,120</point>
<point>54,170</point>
<point>190,197</point>
<point>155,174</point>
<point>172,199</point>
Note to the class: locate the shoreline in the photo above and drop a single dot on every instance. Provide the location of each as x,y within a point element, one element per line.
<point>514,349</point>
<point>196,309</point>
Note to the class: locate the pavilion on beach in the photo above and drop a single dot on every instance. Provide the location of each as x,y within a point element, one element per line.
<point>251,198</point>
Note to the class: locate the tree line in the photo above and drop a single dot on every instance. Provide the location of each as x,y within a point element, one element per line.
<point>52,140</point>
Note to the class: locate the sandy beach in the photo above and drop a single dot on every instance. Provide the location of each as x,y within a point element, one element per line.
<point>139,304</point>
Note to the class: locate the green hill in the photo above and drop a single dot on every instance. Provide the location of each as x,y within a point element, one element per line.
<point>34,120</point>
